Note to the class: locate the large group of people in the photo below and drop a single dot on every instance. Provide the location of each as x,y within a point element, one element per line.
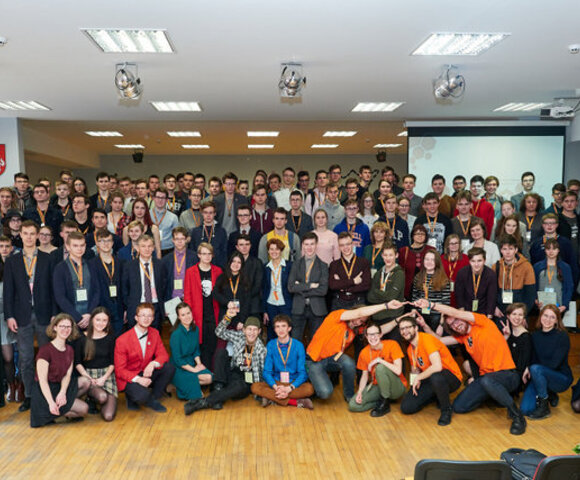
<point>279,292</point>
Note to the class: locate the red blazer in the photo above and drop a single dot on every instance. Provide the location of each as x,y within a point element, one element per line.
<point>192,295</point>
<point>129,360</point>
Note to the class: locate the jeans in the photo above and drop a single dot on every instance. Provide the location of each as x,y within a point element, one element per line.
<point>299,323</point>
<point>272,311</point>
<point>320,380</point>
<point>543,379</point>
<point>159,380</point>
<point>497,385</point>
<point>25,339</point>
<point>437,386</point>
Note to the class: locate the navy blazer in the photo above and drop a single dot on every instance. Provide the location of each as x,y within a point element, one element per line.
<point>64,291</point>
<point>17,296</point>
<point>219,242</point>
<point>90,239</point>
<point>168,262</point>
<point>255,237</point>
<point>58,255</point>
<point>267,284</point>
<point>131,285</point>
<point>113,304</point>
<point>53,218</point>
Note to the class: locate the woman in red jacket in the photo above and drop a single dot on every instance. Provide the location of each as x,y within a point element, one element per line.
<point>198,289</point>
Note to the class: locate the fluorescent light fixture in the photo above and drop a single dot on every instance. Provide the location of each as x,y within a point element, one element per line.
<point>324,145</point>
<point>459,43</point>
<point>377,106</point>
<point>195,146</point>
<point>387,145</point>
<point>129,145</point>
<point>332,133</point>
<point>21,105</point>
<point>404,133</point>
<point>130,41</point>
<point>184,134</point>
<point>262,134</point>
<point>176,106</point>
<point>95,133</point>
<point>264,145</point>
<point>520,107</point>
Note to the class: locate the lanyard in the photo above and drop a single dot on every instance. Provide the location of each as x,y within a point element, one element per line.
<point>178,266</point>
<point>391,227</point>
<point>426,285</point>
<point>476,283</point>
<point>555,207</point>
<point>385,279</point>
<point>155,215</point>
<point>375,255</point>
<point>196,222</point>
<point>452,267</point>
<point>248,356</point>
<point>307,275</point>
<point>510,276</point>
<point>229,206</point>
<point>276,276</point>
<point>29,268</point>
<point>296,227</point>
<point>475,210</point>
<point>110,274</point>
<point>147,274</point>
<point>466,229</point>
<point>172,204</point>
<point>550,273</point>
<point>235,290</point>
<point>208,235</point>
<point>103,202</point>
<point>115,222</point>
<point>351,228</point>
<point>432,225</point>
<point>42,215</point>
<point>371,358</point>
<point>348,271</point>
<point>65,211</point>
<point>530,220</point>
<point>284,360</point>
<point>78,272</point>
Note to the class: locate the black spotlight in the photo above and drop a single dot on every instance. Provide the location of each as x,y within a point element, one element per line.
<point>138,157</point>
<point>381,156</point>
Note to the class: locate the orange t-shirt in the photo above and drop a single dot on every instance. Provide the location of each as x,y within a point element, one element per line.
<point>389,352</point>
<point>426,345</point>
<point>486,345</point>
<point>328,339</point>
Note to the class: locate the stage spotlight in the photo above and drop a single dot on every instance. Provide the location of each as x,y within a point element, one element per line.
<point>127,81</point>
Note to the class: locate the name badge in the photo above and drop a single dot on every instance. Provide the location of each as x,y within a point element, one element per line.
<point>82,295</point>
<point>432,242</point>
<point>373,271</point>
<point>549,289</point>
<point>474,305</point>
<point>178,284</point>
<point>248,377</point>
<point>452,286</point>
<point>529,236</point>
<point>285,377</point>
<point>425,311</point>
<point>412,378</point>
<point>112,291</point>
<point>464,243</point>
<point>507,297</point>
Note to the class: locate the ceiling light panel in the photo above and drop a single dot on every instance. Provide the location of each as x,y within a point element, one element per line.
<point>520,107</point>
<point>184,134</point>
<point>195,146</point>
<point>129,145</point>
<point>324,145</point>
<point>176,106</point>
<point>332,133</point>
<point>21,105</point>
<point>262,134</point>
<point>377,106</point>
<point>387,145</point>
<point>266,145</point>
<point>459,43</point>
<point>104,134</point>
<point>130,41</point>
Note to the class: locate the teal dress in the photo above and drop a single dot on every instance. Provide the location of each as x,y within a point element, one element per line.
<point>184,348</point>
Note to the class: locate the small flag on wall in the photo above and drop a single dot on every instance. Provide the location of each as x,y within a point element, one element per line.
<point>2,159</point>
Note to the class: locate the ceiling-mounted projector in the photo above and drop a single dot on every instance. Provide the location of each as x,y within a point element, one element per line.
<point>559,112</point>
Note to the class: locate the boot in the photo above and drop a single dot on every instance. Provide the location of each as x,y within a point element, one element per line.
<point>195,405</point>
<point>445,418</point>
<point>25,405</point>
<point>518,425</point>
<point>542,409</point>
<point>553,399</point>
<point>382,408</point>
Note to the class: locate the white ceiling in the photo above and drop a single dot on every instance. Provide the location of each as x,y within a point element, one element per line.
<point>228,54</point>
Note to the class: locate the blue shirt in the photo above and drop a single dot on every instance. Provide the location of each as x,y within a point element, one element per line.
<point>295,362</point>
<point>361,236</point>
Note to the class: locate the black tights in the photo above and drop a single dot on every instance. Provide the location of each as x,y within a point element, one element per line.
<point>107,402</point>
<point>8,356</point>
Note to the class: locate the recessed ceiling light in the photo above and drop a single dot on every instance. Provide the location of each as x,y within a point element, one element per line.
<point>332,133</point>
<point>520,107</point>
<point>266,145</point>
<point>459,43</point>
<point>176,106</point>
<point>387,145</point>
<point>20,105</point>
<point>184,134</point>
<point>195,146</point>
<point>129,145</point>
<point>104,134</point>
<point>130,41</point>
<point>324,145</point>
<point>404,133</point>
<point>262,134</point>
<point>377,106</point>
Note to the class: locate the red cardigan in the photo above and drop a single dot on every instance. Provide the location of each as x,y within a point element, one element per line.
<point>192,295</point>
<point>129,361</point>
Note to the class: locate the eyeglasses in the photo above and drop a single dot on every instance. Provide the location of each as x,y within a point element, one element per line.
<point>64,327</point>
<point>408,327</point>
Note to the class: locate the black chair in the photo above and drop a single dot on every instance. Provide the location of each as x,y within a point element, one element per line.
<point>457,470</point>
<point>559,467</point>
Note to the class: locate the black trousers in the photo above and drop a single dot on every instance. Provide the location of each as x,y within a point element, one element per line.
<point>159,380</point>
<point>232,380</point>
<point>299,323</point>
<point>437,387</point>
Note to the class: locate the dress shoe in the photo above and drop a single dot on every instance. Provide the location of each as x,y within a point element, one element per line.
<point>445,418</point>
<point>25,405</point>
<point>382,408</point>
<point>156,406</point>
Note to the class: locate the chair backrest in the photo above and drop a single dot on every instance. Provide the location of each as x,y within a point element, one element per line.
<point>559,467</point>
<point>459,470</point>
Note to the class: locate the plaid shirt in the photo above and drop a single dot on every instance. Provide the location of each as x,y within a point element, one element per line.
<point>238,341</point>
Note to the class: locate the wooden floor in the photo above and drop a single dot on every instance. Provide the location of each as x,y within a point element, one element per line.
<point>247,442</point>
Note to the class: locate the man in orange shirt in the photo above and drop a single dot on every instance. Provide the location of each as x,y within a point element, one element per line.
<point>434,372</point>
<point>497,376</point>
<point>325,353</point>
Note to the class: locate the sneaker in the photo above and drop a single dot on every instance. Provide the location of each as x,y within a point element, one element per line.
<point>25,405</point>
<point>383,407</point>
<point>266,402</point>
<point>194,405</point>
<point>156,406</point>
<point>305,403</point>
<point>445,418</point>
<point>553,399</point>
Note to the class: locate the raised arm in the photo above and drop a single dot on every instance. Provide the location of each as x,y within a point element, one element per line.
<point>369,310</point>
<point>445,310</point>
